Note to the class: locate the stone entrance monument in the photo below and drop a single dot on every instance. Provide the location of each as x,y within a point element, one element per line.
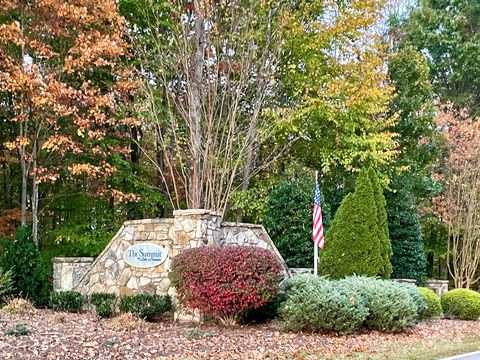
<point>139,256</point>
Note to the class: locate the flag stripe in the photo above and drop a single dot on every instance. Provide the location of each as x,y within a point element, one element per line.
<point>318,234</point>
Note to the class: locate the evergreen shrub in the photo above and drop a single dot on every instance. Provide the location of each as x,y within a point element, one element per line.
<point>347,305</point>
<point>391,306</point>
<point>6,282</point>
<point>463,304</point>
<point>225,281</point>
<point>354,242</point>
<point>382,222</point>
<point>22,258</point>
<point>434,306</point>
<point>71,301</point>
<point>288,220</point>
<point>315,304</point>
<point>104,303</point>
<point>266,312</point>
<point>146,306</point>
<point>408,260</point>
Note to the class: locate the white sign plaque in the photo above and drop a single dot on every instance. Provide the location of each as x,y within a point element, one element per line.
<point>145,255</point>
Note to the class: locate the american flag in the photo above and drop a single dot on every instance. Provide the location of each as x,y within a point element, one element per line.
<point>318,235</point>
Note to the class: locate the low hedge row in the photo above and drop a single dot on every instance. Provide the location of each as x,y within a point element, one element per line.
<point>145,306</point>
<point>347,305</point>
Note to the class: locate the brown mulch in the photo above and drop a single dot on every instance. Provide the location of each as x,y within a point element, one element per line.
<point>83,336</point>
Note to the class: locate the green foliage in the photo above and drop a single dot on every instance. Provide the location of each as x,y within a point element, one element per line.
<point>392,306</point>
<point>447,32</point>
<point>71,301</point>
<point>434,306</point>
<point>335,98</point>
<point>352,244</point>
<point>408,260</point>
<point>288,220</point>
<point>145,306</point>
<point>6,282</point>
<point>18,330</point>
<point>314,304</point>
<point>22,258</point>
<point>463,304</point>
<point>382,223</point>
<point>104,303</point>
<point>266,312</point>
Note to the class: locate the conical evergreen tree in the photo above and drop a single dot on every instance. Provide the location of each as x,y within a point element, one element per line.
<point>382,222</point>
<point>353,241</point>
<point>408,260</point>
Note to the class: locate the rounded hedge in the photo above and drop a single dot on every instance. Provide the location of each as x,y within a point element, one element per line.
<point>434,306</point>
<point>226,281</point>
<point>315,304</point>
<point>463,304</point>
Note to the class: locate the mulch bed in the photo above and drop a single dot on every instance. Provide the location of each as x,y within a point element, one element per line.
<point>83,336</point>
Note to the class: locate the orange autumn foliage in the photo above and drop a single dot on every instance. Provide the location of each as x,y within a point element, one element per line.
<point>62,64</point>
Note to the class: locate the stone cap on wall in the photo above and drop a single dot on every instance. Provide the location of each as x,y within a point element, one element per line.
<point>73,259</point>
<point>148,221</point>
<point>195,212</point>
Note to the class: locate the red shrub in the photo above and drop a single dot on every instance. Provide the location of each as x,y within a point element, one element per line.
<point>224,281</point>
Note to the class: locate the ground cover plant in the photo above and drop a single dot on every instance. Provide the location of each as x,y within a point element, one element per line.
<point>225,281</point>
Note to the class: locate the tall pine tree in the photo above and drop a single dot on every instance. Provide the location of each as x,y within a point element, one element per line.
<point>353,244</point>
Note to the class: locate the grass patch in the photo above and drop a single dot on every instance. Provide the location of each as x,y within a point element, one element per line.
<point>424,350</point>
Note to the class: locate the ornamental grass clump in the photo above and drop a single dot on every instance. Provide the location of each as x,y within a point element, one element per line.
<point>225,281</point>
<point>461,304</point>
<point>315,304</point>
<point>434,306</point>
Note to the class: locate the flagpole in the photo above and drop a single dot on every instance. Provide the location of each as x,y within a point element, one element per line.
<point>315,246</point>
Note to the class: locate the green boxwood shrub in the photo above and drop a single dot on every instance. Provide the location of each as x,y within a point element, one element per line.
<point>462,304</point>
<point>145,306</point>
<point>71,301</point>
<point>434,306</point>
<point>104,303</point>
<point>314,304</point>
<point>391,305</point>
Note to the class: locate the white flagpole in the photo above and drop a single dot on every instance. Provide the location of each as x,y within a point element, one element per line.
<point>315,247</point>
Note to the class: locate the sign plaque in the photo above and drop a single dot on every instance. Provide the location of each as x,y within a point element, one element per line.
<point>145,255</point>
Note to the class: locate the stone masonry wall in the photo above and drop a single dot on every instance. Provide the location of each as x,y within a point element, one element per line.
<point>188,229</point>
<point>67,271</point>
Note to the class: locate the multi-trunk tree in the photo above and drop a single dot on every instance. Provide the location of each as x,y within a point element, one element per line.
<point>459,202</point>
<point>63,81</point>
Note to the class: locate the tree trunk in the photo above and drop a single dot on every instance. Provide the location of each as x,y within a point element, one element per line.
<point>35,208</point>
<point>195,115</point>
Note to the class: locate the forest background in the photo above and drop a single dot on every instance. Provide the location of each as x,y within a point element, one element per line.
<point>111,112</point>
